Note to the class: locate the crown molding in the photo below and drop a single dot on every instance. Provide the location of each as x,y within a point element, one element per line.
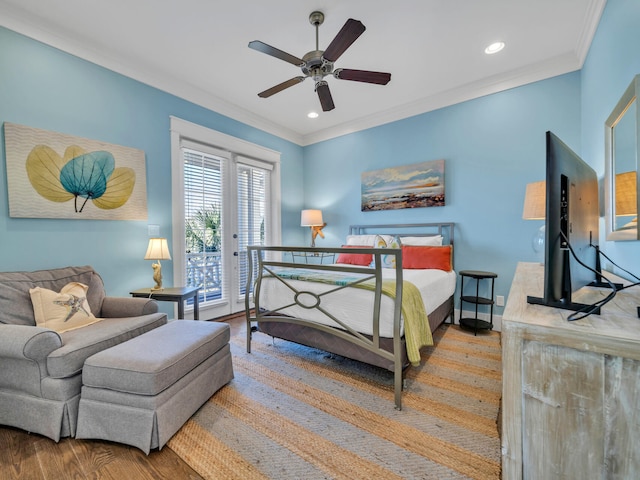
<point>550,68</point>
<point>13,19</point>
<point>590,25</point>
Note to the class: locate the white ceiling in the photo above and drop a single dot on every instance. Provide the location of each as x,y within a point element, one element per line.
<point>197,50</point>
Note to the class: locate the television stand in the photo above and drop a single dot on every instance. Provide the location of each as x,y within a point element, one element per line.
<point>573,306</point>
<point>601,284</point>
<point>598,281</point>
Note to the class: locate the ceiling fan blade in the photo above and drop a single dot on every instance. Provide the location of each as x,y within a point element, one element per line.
<point>281,86</point>
<point>366,76</point>
<point>349,33</point>
<point>274,52</point>
<point>324,94</point>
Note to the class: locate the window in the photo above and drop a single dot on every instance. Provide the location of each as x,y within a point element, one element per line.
<point>203,204</point>
<point>253,213</point>
<point>225,197</point>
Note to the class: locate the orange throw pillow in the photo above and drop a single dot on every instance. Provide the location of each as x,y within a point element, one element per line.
<point>362,259</point>
<point>415,257</point>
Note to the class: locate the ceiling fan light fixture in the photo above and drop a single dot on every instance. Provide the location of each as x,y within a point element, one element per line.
<point>494,48</point>
<point>313,115</point>
<point>318,64</point>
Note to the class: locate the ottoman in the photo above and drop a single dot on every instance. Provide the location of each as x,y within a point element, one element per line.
<point>142,391</point>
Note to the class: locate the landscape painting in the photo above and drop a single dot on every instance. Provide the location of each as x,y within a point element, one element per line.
<point>409,186</point>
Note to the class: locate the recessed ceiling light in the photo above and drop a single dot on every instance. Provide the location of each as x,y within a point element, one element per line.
<point>312,114</point>
<point>494,48</point>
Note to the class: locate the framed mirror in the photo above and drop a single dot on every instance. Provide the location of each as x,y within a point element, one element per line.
<point>622,144</point>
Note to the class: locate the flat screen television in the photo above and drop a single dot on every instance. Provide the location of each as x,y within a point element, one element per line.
<point>571,227</point>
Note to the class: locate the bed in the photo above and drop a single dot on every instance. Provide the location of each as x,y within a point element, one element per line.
<point>362,305</point>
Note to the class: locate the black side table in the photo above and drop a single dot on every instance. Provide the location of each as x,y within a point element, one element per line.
<point>173,294</point>
<point>475,323</point>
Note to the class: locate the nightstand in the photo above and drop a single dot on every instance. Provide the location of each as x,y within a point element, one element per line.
<point>173,294</point>
<point>475,323</point>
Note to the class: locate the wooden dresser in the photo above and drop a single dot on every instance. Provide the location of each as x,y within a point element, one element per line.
<point>571,390</point>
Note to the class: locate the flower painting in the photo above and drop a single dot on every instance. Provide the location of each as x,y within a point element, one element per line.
<point>52,175</point>
<point>409,186</point>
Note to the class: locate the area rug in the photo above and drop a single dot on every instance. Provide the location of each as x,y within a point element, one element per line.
<point>294,412</point>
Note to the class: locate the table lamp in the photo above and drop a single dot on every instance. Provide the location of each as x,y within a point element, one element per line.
<point>313,219</point>
<point>535,205</point>
<point>157,250</point>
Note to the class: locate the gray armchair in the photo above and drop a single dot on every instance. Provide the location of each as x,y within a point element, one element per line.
<point>40,369</point>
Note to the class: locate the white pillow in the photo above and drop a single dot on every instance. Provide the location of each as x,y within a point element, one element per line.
<point>387,261</point>
<point>433,241</point>
<point>367,240</point>
<point>62,311</point>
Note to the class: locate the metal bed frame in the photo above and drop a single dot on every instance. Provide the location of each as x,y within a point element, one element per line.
<point>373,349</point>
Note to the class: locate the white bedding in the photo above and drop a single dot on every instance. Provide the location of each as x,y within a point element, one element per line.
<point>354,306</point>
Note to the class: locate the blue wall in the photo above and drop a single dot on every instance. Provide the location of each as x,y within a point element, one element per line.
<point>45,88</point>
<point>493,146</point>
<point>613,61</point>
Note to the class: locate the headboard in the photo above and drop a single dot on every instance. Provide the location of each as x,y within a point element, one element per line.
<point>413,229</point>
<point>446,230</point>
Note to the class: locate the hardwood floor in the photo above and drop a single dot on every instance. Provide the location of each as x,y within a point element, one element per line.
<point>25,456</point>
<point>33,457</point>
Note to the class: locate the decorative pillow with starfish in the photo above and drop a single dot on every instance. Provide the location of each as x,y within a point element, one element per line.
<point>62,311</point>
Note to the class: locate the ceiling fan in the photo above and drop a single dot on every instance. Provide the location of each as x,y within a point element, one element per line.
<point>317,63</point>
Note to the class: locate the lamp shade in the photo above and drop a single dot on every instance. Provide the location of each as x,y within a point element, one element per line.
<point>626,194</point>
<point>157,249</point>
<point>311,218</point>
<point>535,199</point>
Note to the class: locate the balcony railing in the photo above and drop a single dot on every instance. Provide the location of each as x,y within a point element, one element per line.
<point>204,270</point>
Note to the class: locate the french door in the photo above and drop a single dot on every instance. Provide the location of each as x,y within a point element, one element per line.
<point>223,201</point>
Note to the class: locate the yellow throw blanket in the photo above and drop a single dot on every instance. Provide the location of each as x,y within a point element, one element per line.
<point>417,332</point>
